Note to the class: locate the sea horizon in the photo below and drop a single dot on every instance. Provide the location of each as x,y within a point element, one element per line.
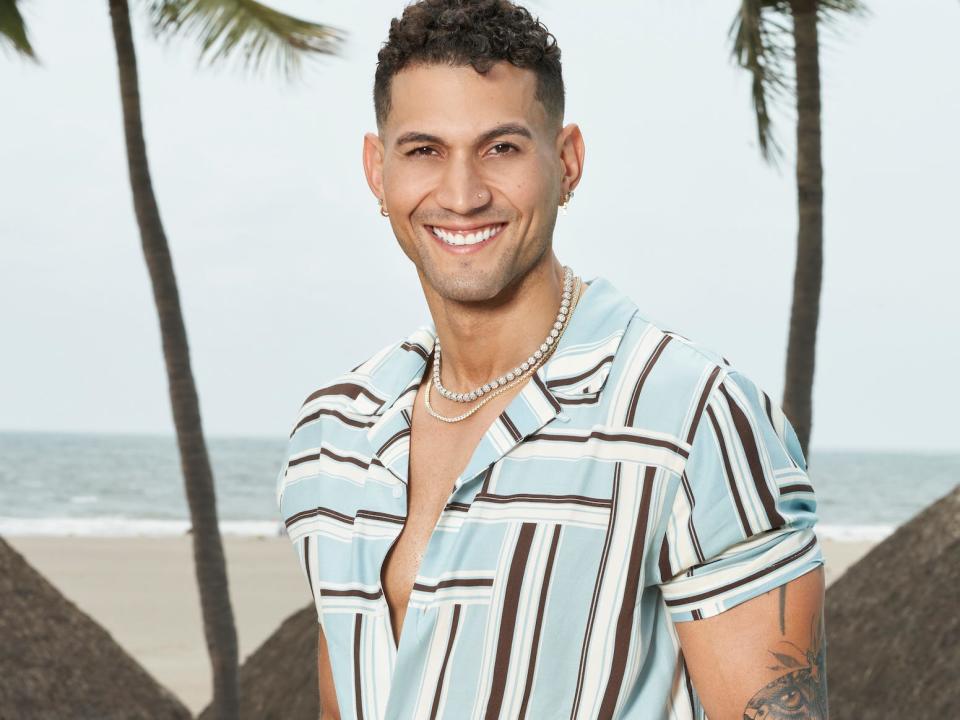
<point>91,484</point>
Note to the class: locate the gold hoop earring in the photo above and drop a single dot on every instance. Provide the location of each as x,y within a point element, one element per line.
<point>383,210</point>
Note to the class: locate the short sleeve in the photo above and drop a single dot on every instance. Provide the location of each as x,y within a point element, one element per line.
<point>741,521</point>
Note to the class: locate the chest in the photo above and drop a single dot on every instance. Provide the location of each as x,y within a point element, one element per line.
<point>439,452</point>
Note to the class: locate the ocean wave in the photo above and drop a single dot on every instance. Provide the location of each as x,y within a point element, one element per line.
<point>135,527</point>
<point>128,527</point>
<point>854,533</point>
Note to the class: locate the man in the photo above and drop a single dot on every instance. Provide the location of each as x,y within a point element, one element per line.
<point>541,505</point>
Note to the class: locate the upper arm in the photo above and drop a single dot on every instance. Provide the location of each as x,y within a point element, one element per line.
<point>738,541</point>
<point>764,658</point>
<point>329,709</point>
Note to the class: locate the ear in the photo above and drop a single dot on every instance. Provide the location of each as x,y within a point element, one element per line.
<point>571,150</point>
<point>373,163</point>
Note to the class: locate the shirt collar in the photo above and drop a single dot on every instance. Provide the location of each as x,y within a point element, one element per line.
<point>575,373</point>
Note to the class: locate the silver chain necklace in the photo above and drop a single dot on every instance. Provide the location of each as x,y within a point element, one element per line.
<point>482,390</point>
<point>488,396</point>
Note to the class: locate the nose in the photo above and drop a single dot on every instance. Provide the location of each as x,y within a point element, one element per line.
<point>462,190</point>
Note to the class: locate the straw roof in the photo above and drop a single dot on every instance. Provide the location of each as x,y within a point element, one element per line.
<point>56,662</point>
<point>279,680</point>
<point>893,623</point>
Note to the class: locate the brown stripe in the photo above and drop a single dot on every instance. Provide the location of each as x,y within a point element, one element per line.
<point>333,456</point>
<point>314,512</point>
<point>377,515</point>
<point>799,487</point>
<point>535,378</point>
<point>611,437</point>
<point>446,659</point>
<point>638,387</point>
<point>744,523</point>
<point>508,620</point>
<point>538,497</point>
<point>598,583</point>
<point>350,390</point>
<point>749,578</point>
<point>698,414</point>
<point>457,506</point>
<point>486,478</point>
<point>768,406</point>
<point>749,443</point>
<point>586,399</point>
<point>454,582</point>
<point>628,605</point>
<point>363,594</point>
<point>541,607</point>
<point>358,697</point>
<point>333,413</point>
<point>561,382</point>
<point>393,438</point>
<point>508,424</point>
<point>306,562</point>
<point>666,572</point>
<point>691,527</point>
<point>414,347</point>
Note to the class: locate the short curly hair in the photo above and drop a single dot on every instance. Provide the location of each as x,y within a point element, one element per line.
<point>470,32</point>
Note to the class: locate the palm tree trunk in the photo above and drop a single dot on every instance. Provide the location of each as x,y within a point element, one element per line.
<point>798,388</point>
<point>210,567</point>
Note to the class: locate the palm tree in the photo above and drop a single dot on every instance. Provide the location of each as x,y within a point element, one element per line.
<point>764,32</point>
<point>223,28</point>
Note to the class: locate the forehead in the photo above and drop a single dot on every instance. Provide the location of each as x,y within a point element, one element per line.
<point>454,101</point>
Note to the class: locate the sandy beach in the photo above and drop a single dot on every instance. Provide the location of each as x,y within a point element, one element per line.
<point>143,591</point>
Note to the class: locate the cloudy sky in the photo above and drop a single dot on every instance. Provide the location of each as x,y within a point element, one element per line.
<point>263,198</point>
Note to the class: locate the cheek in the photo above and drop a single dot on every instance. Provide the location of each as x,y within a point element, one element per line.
<point>406,187</point>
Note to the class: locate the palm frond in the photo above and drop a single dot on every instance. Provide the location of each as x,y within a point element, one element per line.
<point>257,33</point>
<point>13,30</point>
<point>762,44</point>
<point>829,11</point>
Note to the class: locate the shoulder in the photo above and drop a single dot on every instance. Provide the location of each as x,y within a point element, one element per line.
<point>352,392</point>
<point>684,378</point>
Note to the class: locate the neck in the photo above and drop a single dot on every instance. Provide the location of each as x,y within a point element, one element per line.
<point>481,341</point>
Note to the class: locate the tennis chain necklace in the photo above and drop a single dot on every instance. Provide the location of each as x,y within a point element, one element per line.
<point>488,391</point>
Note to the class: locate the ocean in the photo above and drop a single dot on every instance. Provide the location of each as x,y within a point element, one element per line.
<point>110,485</point>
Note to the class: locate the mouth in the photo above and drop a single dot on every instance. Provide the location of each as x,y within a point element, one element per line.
<point>462,240</point>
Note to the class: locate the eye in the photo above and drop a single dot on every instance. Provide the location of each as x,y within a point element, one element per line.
<point>418,151</point>
<point>503,148</point>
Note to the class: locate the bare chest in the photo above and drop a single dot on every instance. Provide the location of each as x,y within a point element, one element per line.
<point>439,452</point>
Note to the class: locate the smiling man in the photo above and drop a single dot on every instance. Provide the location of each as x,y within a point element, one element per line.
<point>541,504</point>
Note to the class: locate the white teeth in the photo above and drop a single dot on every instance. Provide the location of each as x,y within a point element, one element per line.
<point>469,238</point>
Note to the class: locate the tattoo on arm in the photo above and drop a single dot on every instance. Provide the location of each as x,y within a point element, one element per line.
<point>801,692</point>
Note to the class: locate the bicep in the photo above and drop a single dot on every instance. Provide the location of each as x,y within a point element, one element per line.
<point>329,709</point>
<point>763,658</point>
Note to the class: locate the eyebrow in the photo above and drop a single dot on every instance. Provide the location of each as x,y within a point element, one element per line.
<point>498,131</point>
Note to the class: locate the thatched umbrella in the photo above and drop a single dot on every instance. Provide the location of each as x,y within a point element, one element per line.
<point>279,680</point>
<point>893,623</point>
<point>56,662</point>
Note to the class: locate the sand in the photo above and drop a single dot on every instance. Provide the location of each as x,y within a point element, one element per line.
<point>143,591</point>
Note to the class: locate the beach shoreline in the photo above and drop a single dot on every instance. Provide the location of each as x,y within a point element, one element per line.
<point>143,591</point>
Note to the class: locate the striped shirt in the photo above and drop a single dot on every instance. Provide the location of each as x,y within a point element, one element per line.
<point>637,480</point>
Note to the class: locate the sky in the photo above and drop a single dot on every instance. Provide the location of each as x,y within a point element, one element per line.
<point>265,206</point>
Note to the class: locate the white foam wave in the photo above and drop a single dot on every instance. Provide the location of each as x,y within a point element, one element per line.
<point>850,533</point>
<point>128,527</point>
<point>135,527</point>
